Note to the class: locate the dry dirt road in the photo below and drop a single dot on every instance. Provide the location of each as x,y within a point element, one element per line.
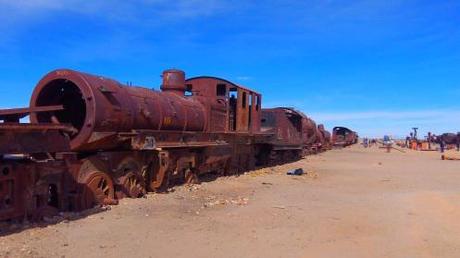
<point>354,202</point>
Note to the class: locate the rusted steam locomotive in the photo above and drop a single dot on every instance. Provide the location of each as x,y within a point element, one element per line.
<point>92,140</point>
<point>293,129</point>
<point>342,136</point>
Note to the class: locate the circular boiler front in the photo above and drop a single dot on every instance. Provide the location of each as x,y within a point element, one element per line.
<point>69,89</point>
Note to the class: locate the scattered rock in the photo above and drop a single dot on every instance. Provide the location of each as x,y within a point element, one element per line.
<point>106,208</point>
<point>312,174</point>
<point>240,201</point>
<point>192,188</point>
<point>179,197</point>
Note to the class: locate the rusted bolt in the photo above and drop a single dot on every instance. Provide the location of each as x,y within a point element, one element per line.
<point>5,171</point>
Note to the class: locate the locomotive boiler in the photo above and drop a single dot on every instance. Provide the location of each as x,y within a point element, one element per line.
<point>97,107</point>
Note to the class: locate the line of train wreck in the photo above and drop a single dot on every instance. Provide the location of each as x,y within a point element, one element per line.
<point>92,141</point>
<point>342,136</point>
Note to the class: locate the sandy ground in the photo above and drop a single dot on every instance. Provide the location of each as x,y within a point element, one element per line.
<point>353,202</point>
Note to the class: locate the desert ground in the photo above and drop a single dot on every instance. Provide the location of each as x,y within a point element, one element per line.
<point>352,202</point>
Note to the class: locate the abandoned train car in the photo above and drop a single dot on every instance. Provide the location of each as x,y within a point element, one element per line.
<point>342,136</point>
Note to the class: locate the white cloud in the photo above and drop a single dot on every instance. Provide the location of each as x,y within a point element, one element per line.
<point>116,9</point>
<point>17,16</point>
<point>36,4</point>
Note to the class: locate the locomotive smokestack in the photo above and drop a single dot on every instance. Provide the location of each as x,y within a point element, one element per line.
<point>174,81</point>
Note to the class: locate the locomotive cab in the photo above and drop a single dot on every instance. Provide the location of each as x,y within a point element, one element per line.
<point>231,107</point>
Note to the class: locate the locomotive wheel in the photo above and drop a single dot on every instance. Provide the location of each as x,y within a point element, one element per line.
<point>191,177</point>
<point>160,186</point>
<point>132,186</point>
<point>98,190</point>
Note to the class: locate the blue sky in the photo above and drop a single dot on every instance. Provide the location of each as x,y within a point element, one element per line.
<point>379,67</point>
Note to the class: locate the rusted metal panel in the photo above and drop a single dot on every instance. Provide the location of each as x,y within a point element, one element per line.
<point>242,111</point>
<point>309,135</point>
<point>31,138</point>
<point>286,123</point>
<point>256,112</point>
<point>11,205</point>
<point>32,190</point>
<point>206,85</point>
<point>293,128</point>
<point>153,140</point>
<point>223,96</point>
<point>326,137</point>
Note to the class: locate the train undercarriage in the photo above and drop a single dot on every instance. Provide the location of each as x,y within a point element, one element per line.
<point>37,182</point>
